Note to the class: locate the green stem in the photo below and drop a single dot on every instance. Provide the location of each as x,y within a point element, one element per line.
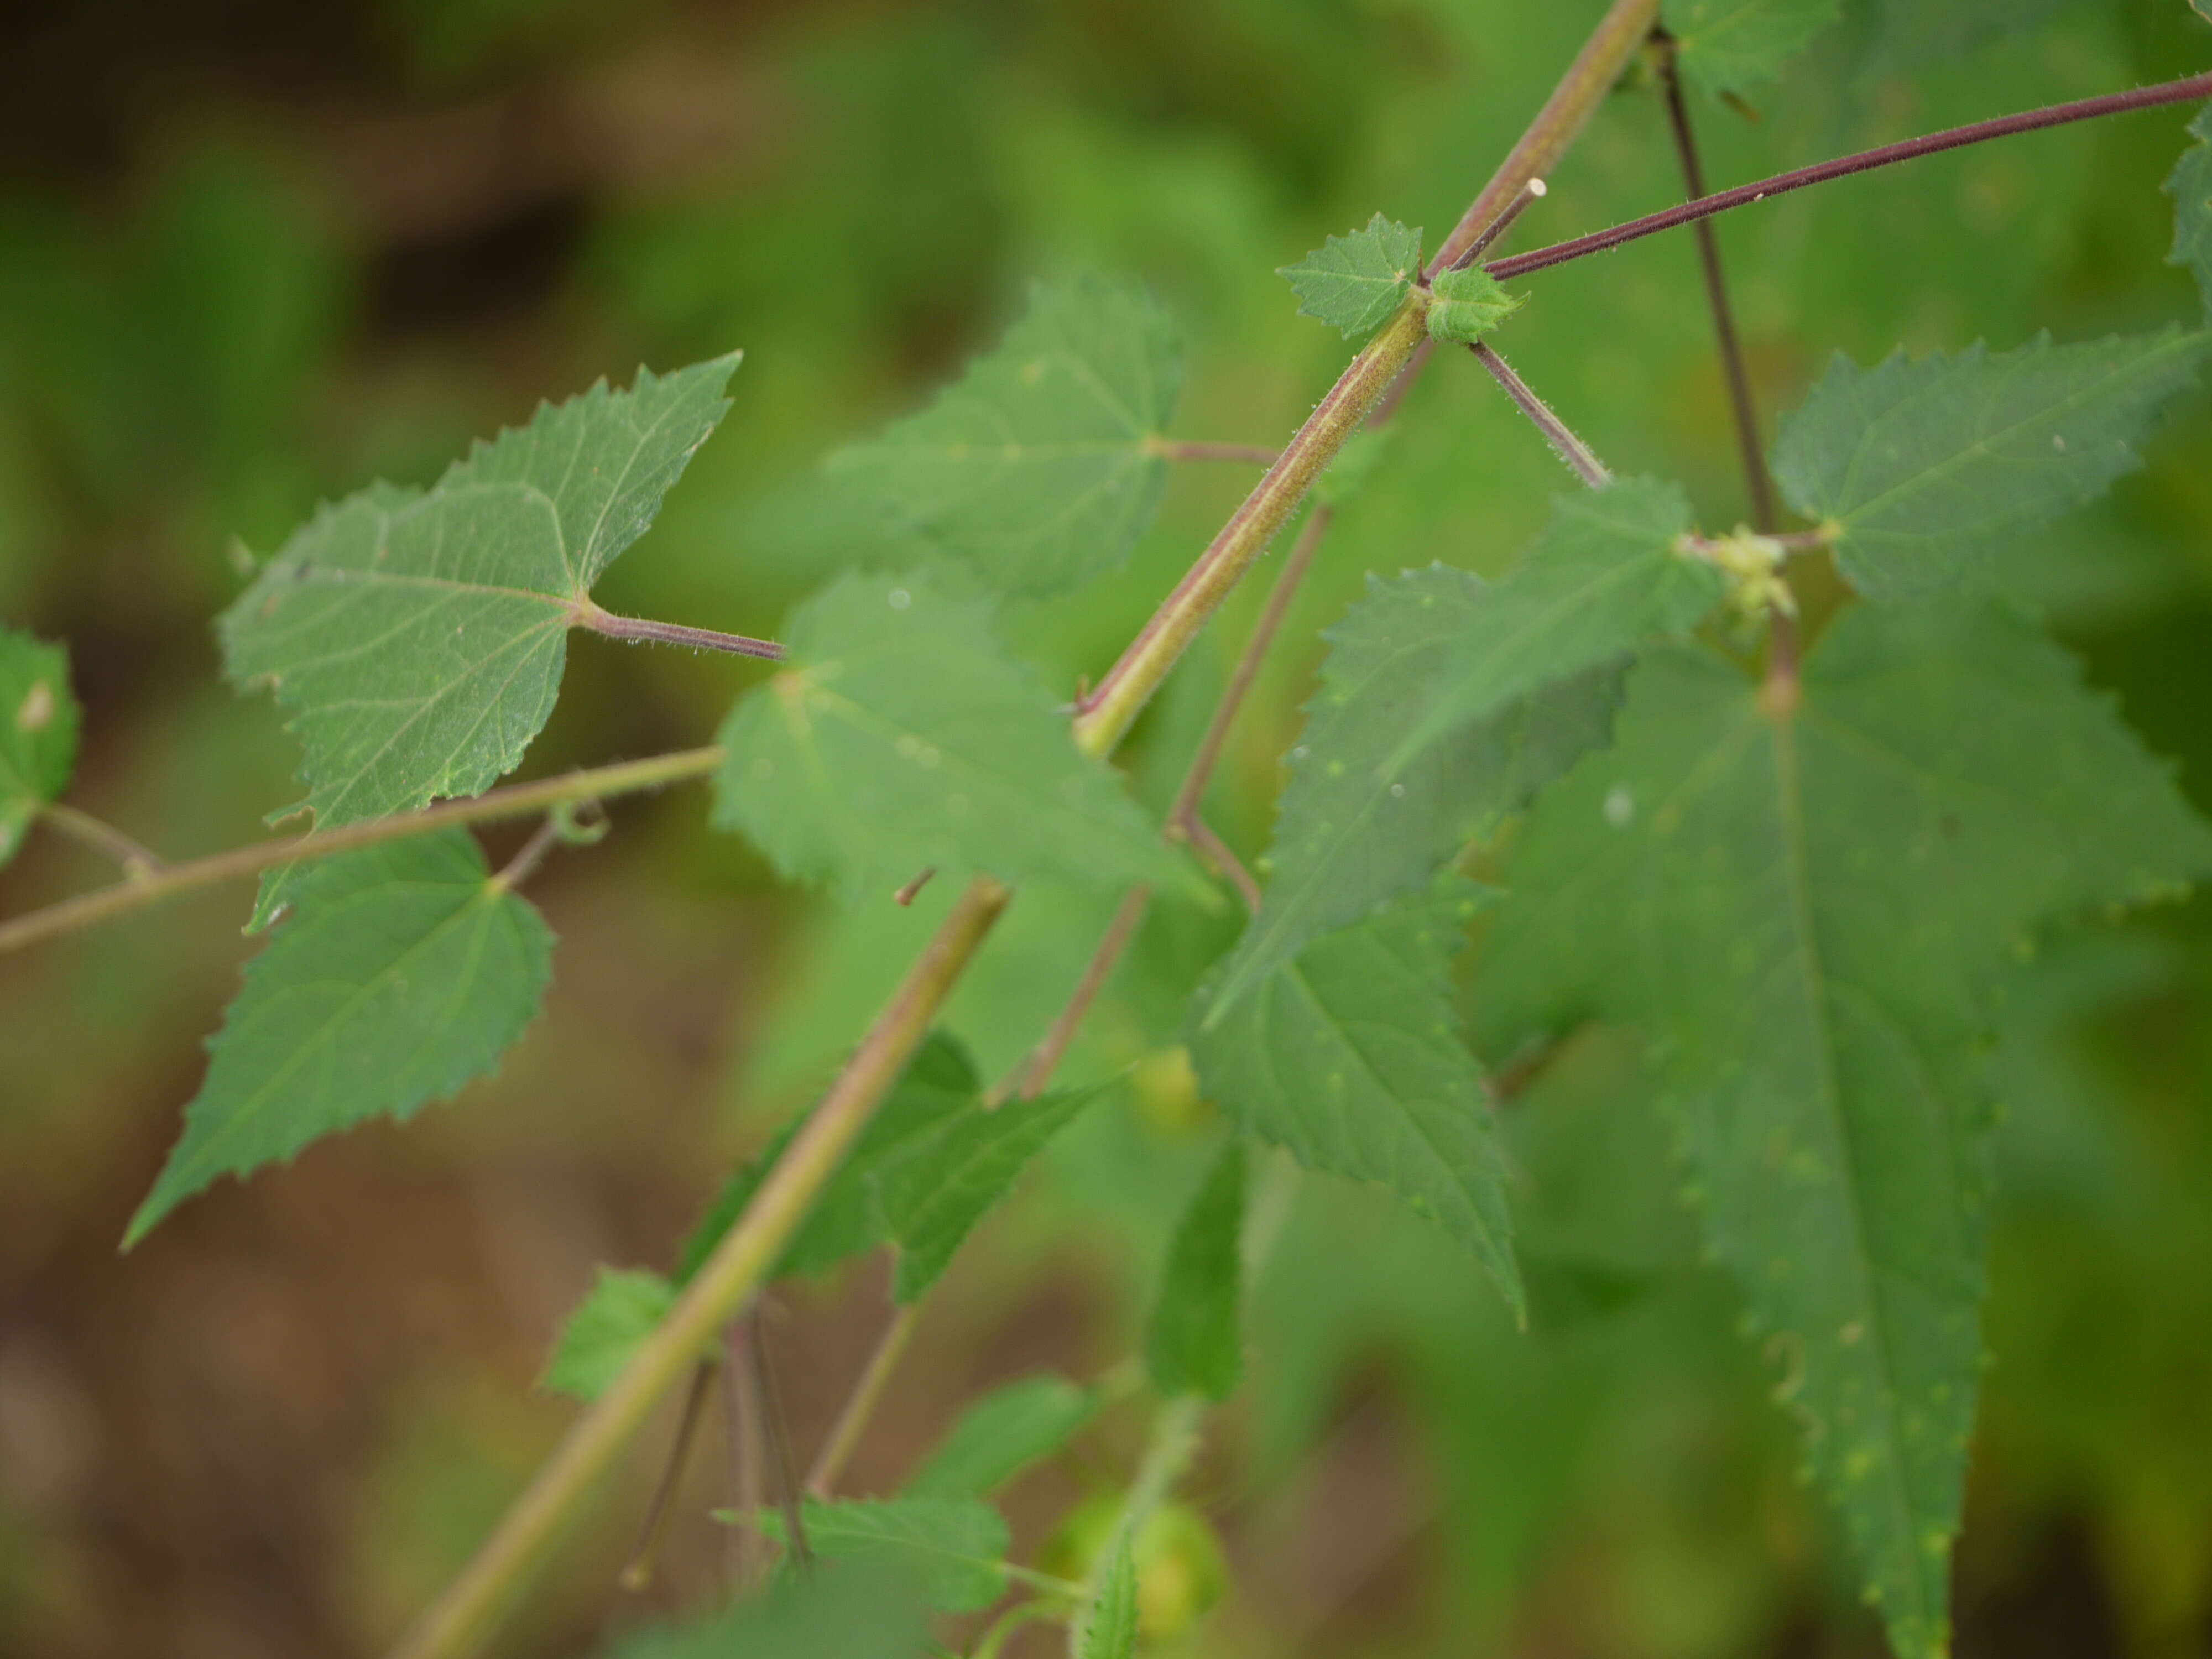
<point>463,1618</point>
<point>516,801</point>
<point>1105,716</point>
<point>102,837</point>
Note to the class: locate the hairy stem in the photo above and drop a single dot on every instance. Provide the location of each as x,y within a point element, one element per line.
<point>515,801</point>
<point>138,862</point>
<point>1107,714</point>
<point>861,1404</point>
<point>1569,448</point>
<point>1534,191</point>
<point>2187,90</point>
<point>1764,518</point>
<point>463,1616</point>
<point>639,631</point>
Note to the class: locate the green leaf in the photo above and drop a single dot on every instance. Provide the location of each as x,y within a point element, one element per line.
<point>862,1611</point>
<point>1354,283</point>
<point>606,1330</point>
<point>407,972</point>
<point>939,1083</point>
<point>1932,469</point>
<point>2190,185</point>
<point>418,636</point>
<point>1002,1434</point>
<point>1800,907</point>
<point>901,736</point>
<point>1109,1627</point>
<point>39,719</point>
<point>1469,304</point>
<point>1196,1344</point>
<point>1608,573</point>
<point>1731,46</point>
<point>1349,836</point>
<point>1040,469</point>
<point>953,1549</point>
<point>949,1177</point>
<point>1349,1057</point>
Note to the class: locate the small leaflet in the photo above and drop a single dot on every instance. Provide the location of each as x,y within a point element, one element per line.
<point>1734,45</point>
<point>1041,467</point>
<point>1354,283</point>
<point>1349,1057</point>
<point>39,720</point>
<point>606,1329</point>
<point>1002,1434</point>
<point>1930,470</point>
<point>900,735</point>
<point>407,973</point>
<point>1468,304</point>
<point>1802,907</point>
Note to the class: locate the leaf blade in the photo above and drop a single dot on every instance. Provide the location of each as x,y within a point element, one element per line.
<point>1196,1343</point>
<point>38,722</point>
<point>604,1331</point>
<point>1731,46</point>
<point>952,1549</point>
<point>1354,283</point>
<point>1002,1434</point>
<point>2189,184</point>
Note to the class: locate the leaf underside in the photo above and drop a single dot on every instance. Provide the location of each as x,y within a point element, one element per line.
<point>1354,283</point>
<point>1934,469</point>
<point>901,736</point>
<point>1801,915</point>
<point>1732,46</point>
<point>1042,467</point>
<point>418,636</point>
<point>407,973</point>
<point>1196,1340</point>
<point>1349,1057</point>
<point>39,720</point>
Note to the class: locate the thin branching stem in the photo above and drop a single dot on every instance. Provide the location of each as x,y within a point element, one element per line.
<point>136,861</point>
<point>776,1436</point>
<point>637,1571</point>
<point>1532,192</point>
<point>639,631</point>
<point>2189,90</point>
<point>1757,482</point>
<point>1044,1059</point>
<point>861,1404</point>
<point>1569,448</point>
<point>742,1440</point>
<point>515,801</point>
<point>524,864</point>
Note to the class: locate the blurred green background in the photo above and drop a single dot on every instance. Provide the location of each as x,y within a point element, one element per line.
<point>251,255</point>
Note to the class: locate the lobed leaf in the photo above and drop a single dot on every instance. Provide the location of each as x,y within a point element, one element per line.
<point>953,1174</point>
<point>408,971</point>
<point>418,636</point>
<point>953,1549</point>
<point>1349,1057</point>
<point>39,720</point>
<point>1353,835</point>
<point>1930,470</point>
<point>1002,1434</point>
<point>1731,45</point>
<point>901,736</point>
<point>1800,905</point>
<point>1354,283</point>
<point>605,1331</point>
<point>1197,1341</point>
<point>2189,184</point>
<point>1042,467</point>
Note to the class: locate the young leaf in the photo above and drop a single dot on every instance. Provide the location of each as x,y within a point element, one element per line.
<point>1349,1057</point>
<point>606,1330</point>
<point>1348,836</point>
<point>38,718</point>
<point>1469,304</point>
<point>953,1549</point>
<point>418,636</point>
<point>1800,902</point>
<point>1931,468</point>
<point>1197,1340</point>
<point>2190,185</point>
<point>1608,573</point>
<point>408,971</point>
<point>1354,283</point>
<point>939,1084</point>
<point>1731,46</point>
<point>1001,1435</point>
<point>865,1610</point>
<point>1040,469</point>
<point>902,736</point>
<point>1109,1626</point>
<point>949,1178</point>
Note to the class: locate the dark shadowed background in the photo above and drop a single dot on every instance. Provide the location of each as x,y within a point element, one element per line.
<point>252,255</point>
